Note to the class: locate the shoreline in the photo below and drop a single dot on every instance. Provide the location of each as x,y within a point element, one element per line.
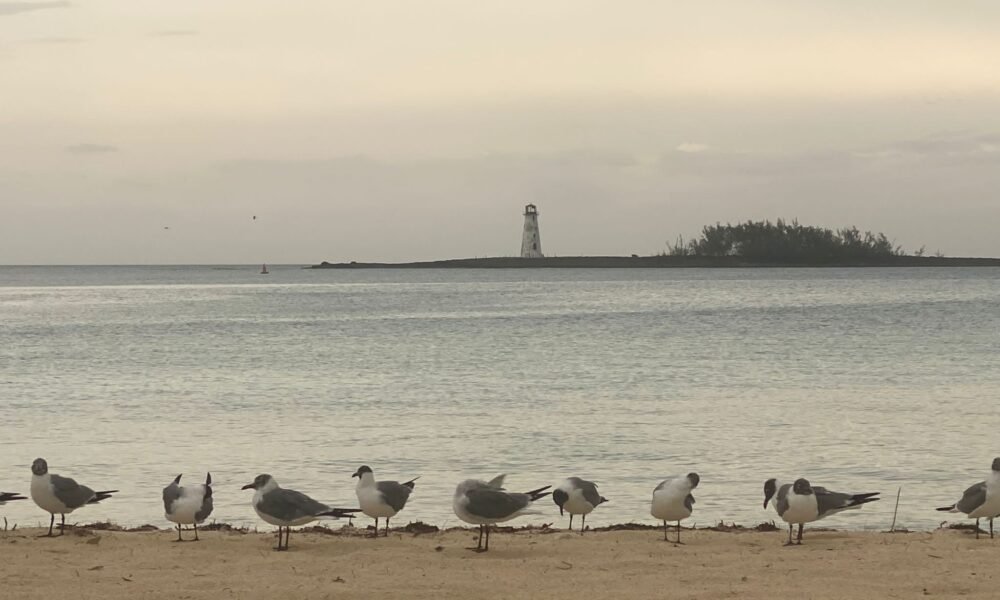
<point>660,262</point>
<point>363,528</point>
<point>114,565</point>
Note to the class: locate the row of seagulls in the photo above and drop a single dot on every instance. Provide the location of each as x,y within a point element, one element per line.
<point>58,495</point>
<point>187,505</point>
<point>477,502</point>
<point>981,500</point>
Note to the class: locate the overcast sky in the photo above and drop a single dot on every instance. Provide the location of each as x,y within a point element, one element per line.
<point>404,129</point>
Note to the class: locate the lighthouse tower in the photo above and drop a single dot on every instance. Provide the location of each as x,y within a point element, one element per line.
<point>531,241</point>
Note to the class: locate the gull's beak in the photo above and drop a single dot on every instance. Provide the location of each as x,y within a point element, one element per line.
<point>208,479</point>
<point>356,474</point>
<point>766,500</point>
<point>560,511</point>
<point>249,486</point>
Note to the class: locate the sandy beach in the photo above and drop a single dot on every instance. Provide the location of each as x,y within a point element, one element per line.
<point>524,564</point>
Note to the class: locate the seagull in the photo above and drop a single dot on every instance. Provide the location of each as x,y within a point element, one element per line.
<point>381,498</point>
<point>287,508</point>
<point>187,505</point>
<point>484,503</point>
<point>828,502</point>
<point>981,500</point>
<point>62,495</point>
<point>672,501</point>
<point>800,503</point>
<point>577,497</point>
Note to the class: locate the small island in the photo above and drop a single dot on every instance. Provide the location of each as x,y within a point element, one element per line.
<point>744,245</point>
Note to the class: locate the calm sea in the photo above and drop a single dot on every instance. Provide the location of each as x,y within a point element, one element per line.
<point>858,379</point>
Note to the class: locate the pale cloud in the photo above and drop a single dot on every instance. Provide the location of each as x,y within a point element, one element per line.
<point>692,147</point>
<point>174,33</point>
<point>91,149</point>
<point>13,8</point>
<point>56,40</point>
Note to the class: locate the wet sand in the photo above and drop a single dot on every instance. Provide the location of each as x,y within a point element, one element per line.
<point>87,564</point>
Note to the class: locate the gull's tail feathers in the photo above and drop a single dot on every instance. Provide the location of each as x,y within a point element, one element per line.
<point>336,513</point>
<point>99,496</point>
<point>859,499</point>
<point>539,493</point>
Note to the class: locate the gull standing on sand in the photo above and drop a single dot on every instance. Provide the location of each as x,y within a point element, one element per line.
<point>982,500</point>
<point>800,503</point>
<point>381,499</point>
<point>672,501</point>
<point>577,497</point>
<point>187,505</point>
<point>60,495</point>
<point>485,503</point>
<point>828,502</point>
<point>288,508</point>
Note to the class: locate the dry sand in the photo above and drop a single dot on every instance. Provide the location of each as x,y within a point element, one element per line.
<point>87,564</point>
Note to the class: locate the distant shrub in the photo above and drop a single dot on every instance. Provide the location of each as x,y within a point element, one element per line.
<point>783,241</point>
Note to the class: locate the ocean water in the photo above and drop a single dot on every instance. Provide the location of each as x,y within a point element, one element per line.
<point>858,379</point>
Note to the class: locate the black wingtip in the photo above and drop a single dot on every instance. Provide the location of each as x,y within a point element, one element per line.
<point>339,512</point>
<point>98,496</point>
<point>9,496</point>
<point>603,500</point>
<point>859,501</point>
<point>866,495</point>
<point>410,484</point>
<point>946,508</point>
<point>539,493</point>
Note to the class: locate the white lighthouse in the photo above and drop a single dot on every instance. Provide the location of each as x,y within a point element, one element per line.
<point>531,241</point>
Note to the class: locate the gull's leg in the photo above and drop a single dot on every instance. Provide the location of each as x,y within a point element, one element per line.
<point>991,528</point>
<point>583,526</point>
<point>179,538</point>
<point>665,532</point>
<point>571,521</point>
<point>52,520</point>
<point>977,529</point>
<point>196,532</point>
<point>62,524</point>
<point>479,540</point>
<point>487,538</point>
<point>386,527</point>
<point>679,534</point>
<point>376,528</point>
<point>789,542</point>
<point>800,534</point>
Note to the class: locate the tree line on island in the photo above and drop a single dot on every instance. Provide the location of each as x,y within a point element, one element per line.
<point>788,241</point>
